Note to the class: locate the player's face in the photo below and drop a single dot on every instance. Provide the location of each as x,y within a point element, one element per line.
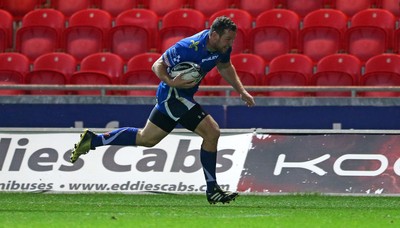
<point>225,41</point>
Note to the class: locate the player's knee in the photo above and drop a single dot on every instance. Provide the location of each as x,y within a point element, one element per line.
<point>146,141</point>
<point>213,134</point>
<point>150,143</point>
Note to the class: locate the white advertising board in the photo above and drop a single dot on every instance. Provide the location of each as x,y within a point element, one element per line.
<point>40,162</point>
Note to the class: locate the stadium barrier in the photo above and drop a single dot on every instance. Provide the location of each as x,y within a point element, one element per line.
<point>261,161</point>
<point>64,111</point>
<point>354,90</point>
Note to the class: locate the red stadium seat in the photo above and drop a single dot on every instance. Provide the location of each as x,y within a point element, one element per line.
<point>54,68</point>
<point>162,7</point>
<point>179,24</point>
<point>135,32</point>
<point>40,33</point>
<point>322,33</point>
<point>6,30</point>
<point>139,72</point>
<point>18,8</point>
<point>371,33</point>
<point>382,70</point>
<point>13,68</point>
<point>396,41</point>
<point>243,21</point>
<point>87,32</point>
<point>351,7</point>
<point>250,69</point>
<point>337,70</point>
<point>209,7</point>
<point>256,7</point>
<point>69,7</point>
<point>391,5</point>
<point>98,69</point>
<point>115,7</point>
<point>275,33</point>
<point>289,70</point>
<point>303,7</point>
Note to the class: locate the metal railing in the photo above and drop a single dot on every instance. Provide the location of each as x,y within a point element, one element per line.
<point>354,90</point>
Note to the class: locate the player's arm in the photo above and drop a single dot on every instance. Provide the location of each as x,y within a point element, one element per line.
<point>160,69</point>
<point>228,72</point>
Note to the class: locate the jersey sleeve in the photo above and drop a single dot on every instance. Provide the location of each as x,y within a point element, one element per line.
<point>175,54</point>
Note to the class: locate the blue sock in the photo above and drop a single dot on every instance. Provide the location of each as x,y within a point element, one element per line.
<point>209,162</point>
<point>121,137</point>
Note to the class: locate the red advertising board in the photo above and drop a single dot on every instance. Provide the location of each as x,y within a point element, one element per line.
<point>327,163</point>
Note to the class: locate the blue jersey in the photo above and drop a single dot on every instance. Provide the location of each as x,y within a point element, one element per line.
<point>190,49</point>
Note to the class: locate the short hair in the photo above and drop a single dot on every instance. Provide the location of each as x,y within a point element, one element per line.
<point>220,24</point>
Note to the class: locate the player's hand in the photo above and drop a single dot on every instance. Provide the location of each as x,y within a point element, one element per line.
<point>179,82</point>
<point>248,99</point>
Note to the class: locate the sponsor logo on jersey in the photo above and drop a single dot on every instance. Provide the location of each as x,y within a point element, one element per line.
<point>214,57</point>
<point>173,56</point>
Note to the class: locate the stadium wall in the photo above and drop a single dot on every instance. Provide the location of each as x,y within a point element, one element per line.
<point>358,156</point>
<point>230,113</point>
<point>260,161</point>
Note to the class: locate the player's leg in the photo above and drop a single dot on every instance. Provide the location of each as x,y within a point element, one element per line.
<point>157,127</point>
<point>209,130</point>
<point>205,126</point>
<point>150,135</point>
<point>90,140</point>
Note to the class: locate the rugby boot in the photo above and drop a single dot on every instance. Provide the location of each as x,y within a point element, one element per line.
<point>220,196</point>
<point>83,146</point>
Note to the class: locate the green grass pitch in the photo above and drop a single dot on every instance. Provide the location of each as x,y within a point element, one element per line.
<point>168,210</point>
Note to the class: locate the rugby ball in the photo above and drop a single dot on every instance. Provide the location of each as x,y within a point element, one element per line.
<point>190,71</point>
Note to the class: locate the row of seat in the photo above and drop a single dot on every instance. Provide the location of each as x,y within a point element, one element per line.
<point>300,70</point>
<point>20,7</point>
<point>59,68</point>
<point>285,70</point>
<point>276,32</point>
